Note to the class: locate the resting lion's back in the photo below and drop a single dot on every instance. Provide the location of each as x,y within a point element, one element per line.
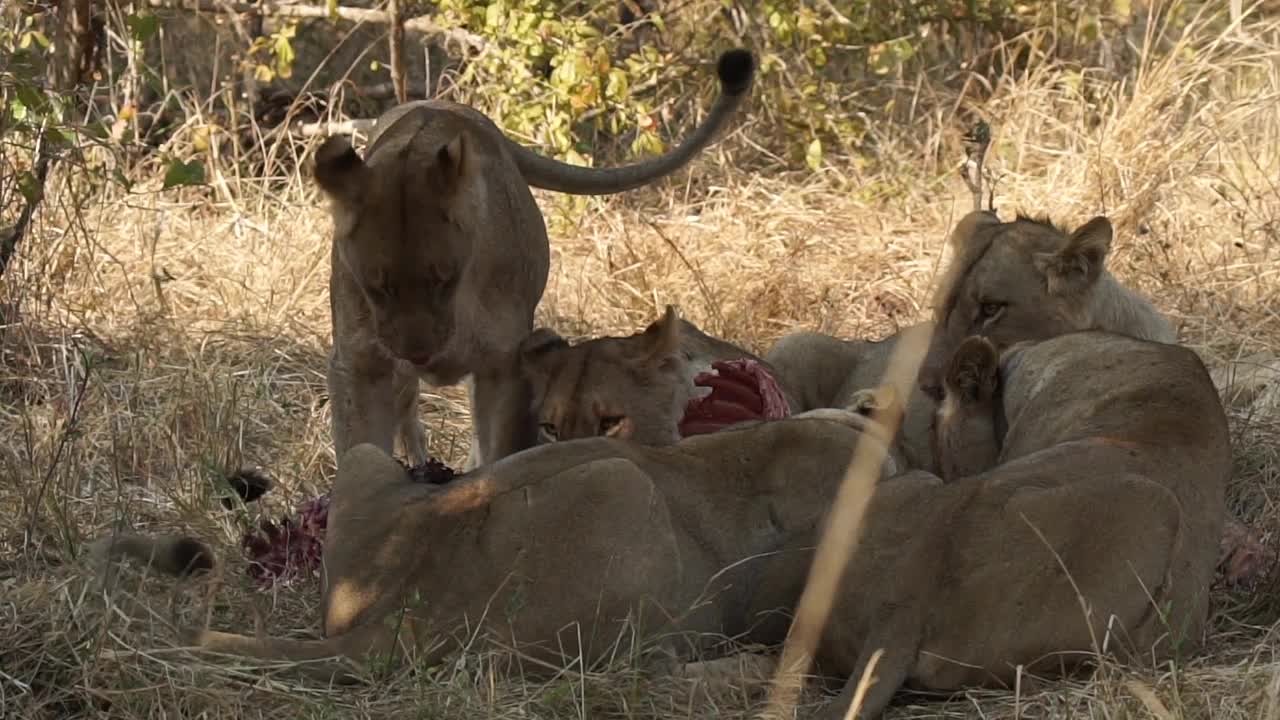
<point>1109,384</point>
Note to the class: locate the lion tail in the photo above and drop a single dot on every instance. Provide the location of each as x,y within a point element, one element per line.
<point>327,660</point>
<point>177,555</point>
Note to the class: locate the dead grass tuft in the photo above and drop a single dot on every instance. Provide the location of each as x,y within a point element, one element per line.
<point>164,341</point>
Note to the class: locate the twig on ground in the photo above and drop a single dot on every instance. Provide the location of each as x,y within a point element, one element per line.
<point>346,127</point>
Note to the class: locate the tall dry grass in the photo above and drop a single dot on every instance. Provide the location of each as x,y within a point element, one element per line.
<point>156,341</point>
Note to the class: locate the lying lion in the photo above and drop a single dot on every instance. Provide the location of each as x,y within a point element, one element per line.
<point>439,258</point>
<point>824,371</point>
<point>558,549</point>
<point>1026,279</point>
<point>635,387</point>
<point>1096,531</point>
<point>1031,280</point>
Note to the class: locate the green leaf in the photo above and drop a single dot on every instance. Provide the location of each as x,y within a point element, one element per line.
<point>61,136</point>
<point>180,173</point>
<point>813,155</point>
<point>32,99</point>
<point>332,7</point>
<point>29,187</point>
<point>40,39</point>
<point>616,86</point>
<point>142,27</point>
<point>119,176</point>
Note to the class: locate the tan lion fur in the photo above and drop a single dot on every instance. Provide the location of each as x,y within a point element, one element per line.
<point>823,371</point>
<point>634,387</point>
<point>439,258</point>
<point>1047,280</point>
<point>557,549</point>
<point>1028,279</point>
<point>1096,531</point>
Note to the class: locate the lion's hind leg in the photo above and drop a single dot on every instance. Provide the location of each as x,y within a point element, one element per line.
<point>1113,543</point>
<point>887,676</point>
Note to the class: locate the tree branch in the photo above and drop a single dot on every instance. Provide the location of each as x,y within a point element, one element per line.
<point>419,25</point>
<point>396,41</point>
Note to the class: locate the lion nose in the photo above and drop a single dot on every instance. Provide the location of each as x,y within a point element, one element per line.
<point>420,359</point>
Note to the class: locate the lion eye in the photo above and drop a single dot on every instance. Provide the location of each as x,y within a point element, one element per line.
<point>549,432</point>
<point>610,425</point>
<point>989,310</point>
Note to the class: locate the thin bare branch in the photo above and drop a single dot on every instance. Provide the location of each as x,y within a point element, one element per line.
<point>418,25</point>
<point>396,43</point>
<point>976,142</point>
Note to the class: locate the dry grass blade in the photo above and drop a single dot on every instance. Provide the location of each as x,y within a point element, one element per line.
<point>976,142</point>
<point>841,534</point>
<point>1144,693</point>
<point>868,675</point>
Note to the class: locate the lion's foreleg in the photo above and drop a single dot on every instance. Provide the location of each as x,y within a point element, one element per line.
<point>887,677</point>
<point>473,454</point>
<point>413,437</point>
<point>361,403</point>
<point>501,417</point>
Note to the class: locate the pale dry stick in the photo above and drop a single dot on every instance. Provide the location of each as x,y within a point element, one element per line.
<point>346,127</point>
<point>1017,692</point>
<point>864,682</point>
<point>976,142</point>
<point>1147,696</point>
<point>842,533</point>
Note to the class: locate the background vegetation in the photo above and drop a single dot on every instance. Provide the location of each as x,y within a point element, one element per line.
<point>164,257</point>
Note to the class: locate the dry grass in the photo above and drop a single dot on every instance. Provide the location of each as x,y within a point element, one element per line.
<point>164,340</point>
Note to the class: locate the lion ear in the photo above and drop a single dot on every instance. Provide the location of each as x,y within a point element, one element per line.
<point>963,233</point>
<point>973,371</point>
<point>1079,263</point>
<point>339,171</point>
<point>661,340</point>
<point>452,161</point>
<point>536,345</point>
<point>869,400</point>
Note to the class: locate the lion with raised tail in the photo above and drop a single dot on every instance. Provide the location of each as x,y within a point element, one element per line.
<point>439,257</point>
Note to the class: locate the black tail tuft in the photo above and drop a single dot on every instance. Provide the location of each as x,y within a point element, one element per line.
<point>249,484</point>
<point>735,70</point>
<point>191,556</point>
